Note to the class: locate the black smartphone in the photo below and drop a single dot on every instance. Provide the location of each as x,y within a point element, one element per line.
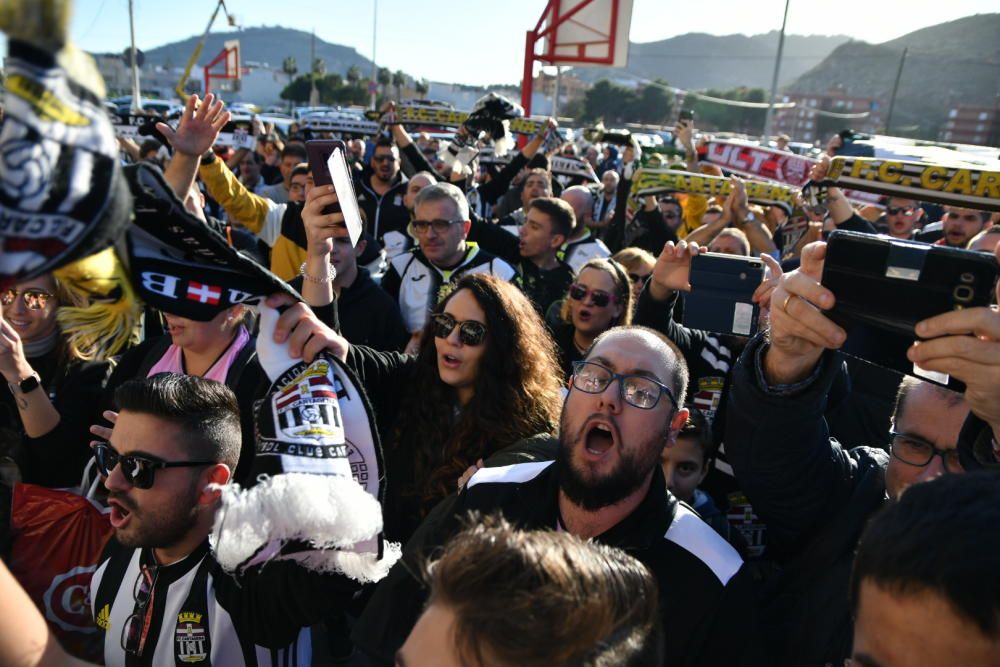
<point>721,297</point>
<point>884,286</point>
<point>686,114</point>
<point>318,152</point>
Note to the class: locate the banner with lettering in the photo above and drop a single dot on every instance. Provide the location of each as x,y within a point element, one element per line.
<point>773,165</point>
<point>660,181</point>
<point>958,186</point>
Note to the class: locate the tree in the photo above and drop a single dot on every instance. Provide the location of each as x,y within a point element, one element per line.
<point>422,88</point>
<point>384,78</point>
<point>319,68</point>
<point>353,74</point>
<point>609,102</point>
<point>398,81</point>
<point>655,104</point>
<point>290,67</point>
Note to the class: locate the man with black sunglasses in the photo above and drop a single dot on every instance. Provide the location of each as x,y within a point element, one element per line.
<point>601,479</point>
<point>158,595</point>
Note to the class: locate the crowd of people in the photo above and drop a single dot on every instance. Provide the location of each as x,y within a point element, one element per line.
<point>575,476</point>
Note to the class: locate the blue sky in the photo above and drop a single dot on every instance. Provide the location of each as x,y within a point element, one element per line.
<point>477,41</point>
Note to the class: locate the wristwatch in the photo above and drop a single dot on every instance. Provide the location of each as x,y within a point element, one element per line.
<point>27,385</point>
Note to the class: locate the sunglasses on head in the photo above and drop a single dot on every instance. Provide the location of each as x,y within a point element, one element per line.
<point>139,471</point>
<point>470,332</point>
<point>34,299</point>
<point>636,278</point>
<point>599,298</point>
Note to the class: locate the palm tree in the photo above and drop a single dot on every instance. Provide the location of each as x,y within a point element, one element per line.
<point>319,67</point>
<point>384,78</point>
<point>422,88</point>
<point>291,68</point>
<point>353,75</point>
<point>399,80</point>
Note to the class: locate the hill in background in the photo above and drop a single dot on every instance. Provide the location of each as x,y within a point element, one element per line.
<point>697,60</point>
<point>948,64</point>
<point>263,45</point>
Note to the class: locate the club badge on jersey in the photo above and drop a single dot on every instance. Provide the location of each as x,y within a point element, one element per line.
<point>191,642</point>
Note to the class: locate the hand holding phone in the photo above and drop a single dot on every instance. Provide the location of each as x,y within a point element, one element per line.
<point>885,287</point>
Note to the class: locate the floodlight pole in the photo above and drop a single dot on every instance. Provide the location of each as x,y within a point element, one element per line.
<point>774,79</point>
<point>136,101</point>
<point>374,68</point>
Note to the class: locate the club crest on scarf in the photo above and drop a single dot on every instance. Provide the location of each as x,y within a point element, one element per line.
<point>306,409</point>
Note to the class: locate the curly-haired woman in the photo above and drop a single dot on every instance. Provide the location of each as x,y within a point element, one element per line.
<point>485,377</point>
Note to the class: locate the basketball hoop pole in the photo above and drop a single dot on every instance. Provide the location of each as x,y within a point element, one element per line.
<point>529,62</point>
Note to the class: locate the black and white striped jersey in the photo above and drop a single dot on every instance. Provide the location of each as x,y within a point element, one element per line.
<point>202,616</point>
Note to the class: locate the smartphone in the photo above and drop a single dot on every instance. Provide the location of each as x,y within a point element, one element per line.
<point>318,152</point>
<point>686,114</point>
<point>884,286</point>
<point>721,297</point>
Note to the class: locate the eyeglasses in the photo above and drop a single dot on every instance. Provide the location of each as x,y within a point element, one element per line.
<point>638,391</point>
<point>916,451</point>
<point>440,226</point>
<point>470,332</point>
<point>139,471</point>
<point>599,298</point>
<point>136,627</point>
<point>896,210</point>
<point>383,158</point>
<point>34,299</point>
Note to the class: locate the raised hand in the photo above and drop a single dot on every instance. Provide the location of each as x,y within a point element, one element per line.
<point>199,126</point>
<point>322,228</point>
<point>103,432</point>
<point>799,330</point>
<point>672,270</point>
<point>966,344</point>
<point>14,364</point>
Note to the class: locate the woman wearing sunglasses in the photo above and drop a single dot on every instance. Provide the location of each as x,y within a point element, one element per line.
<point>484,378</point>
<point>51,387</point>
<point>600,298</point>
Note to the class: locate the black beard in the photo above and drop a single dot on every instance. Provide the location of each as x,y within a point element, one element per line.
<point>594,494</point>
<point>164,529</point>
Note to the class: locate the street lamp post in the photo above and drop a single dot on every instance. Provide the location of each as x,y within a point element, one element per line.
<point>774,79</point>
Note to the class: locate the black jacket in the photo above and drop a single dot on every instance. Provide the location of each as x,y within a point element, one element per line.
<point>815,496</point>
<point>364,313</point>
<point>543,287</point>
<point>705,594</point>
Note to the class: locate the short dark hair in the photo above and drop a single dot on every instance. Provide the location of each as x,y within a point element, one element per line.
<point>560,213</point>
<point>910,383</point>
<point>295,150</point>
<point>540,598</point>
<point>384,142</point>
<point>699,429</point>
<point>149,146</point>
<point>940,537</point>
<point>207,411</point>
<point>255,156</point>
